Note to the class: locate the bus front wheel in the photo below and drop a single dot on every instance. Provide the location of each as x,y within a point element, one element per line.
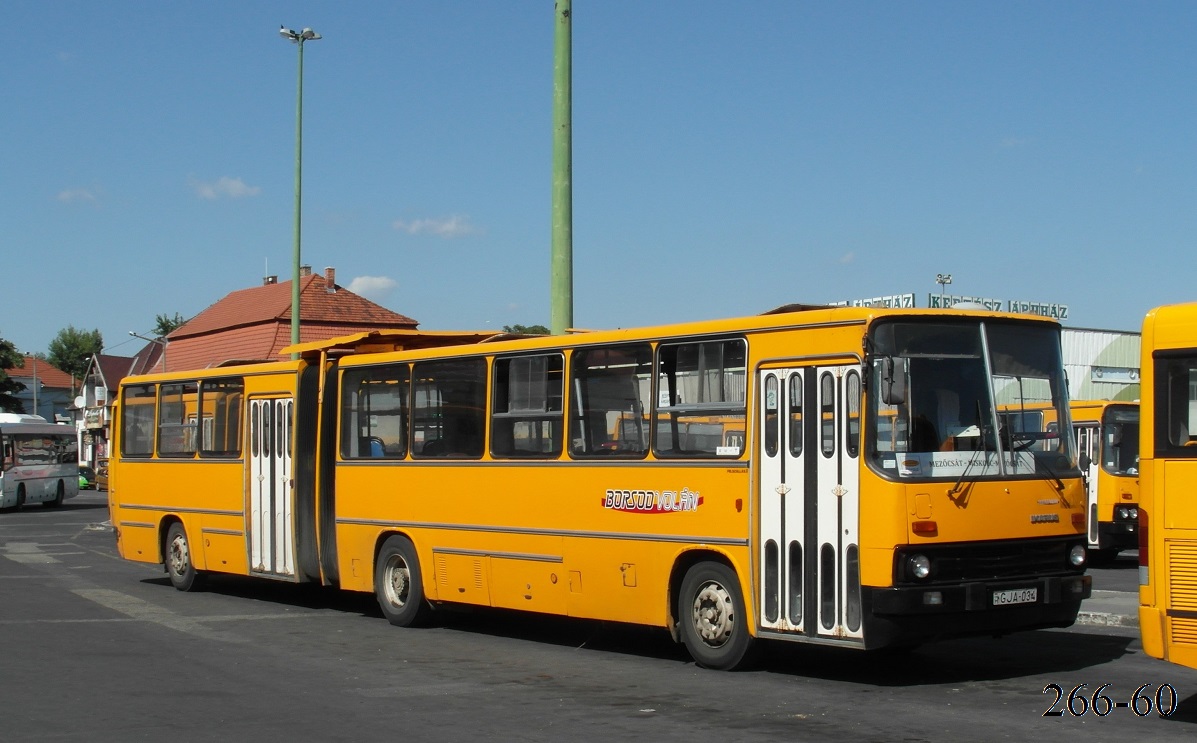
<point>179,566</point>
<point>59,496</point>
<point>398,584</point>
<point>714,623</point>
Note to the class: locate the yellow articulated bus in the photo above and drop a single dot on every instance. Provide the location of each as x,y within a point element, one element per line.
<point>779,477</point>
<point>1107,436</point>
<point>1168,479</point>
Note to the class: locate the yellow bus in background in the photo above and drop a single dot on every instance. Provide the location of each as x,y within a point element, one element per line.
<point>1107,435</point>
<point>1107,439</point>
<point>1168,481</point>
<point>779,477</point>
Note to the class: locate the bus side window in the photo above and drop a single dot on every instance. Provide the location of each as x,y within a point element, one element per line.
<point>527,419</point>
<point>610,388</point>
<point>1178,379</point>
<point>374,415</point>
<point>701,394</point>
<point>450,405</point>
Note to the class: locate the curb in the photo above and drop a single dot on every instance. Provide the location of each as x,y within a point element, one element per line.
<point>1106,619</point>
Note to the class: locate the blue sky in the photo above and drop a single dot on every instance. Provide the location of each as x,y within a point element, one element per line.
<point>728,157</point>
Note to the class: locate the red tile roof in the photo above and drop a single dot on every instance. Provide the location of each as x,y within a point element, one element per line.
<point>114,368</point>
<point>255,324</point>
<point>48,374</point>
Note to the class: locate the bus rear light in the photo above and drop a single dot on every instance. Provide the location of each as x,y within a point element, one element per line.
<point>926,528</point>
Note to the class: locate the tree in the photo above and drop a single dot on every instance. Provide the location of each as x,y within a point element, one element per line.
<point>72,349</point>
<point>527,329</point>
<point>165,325</point>
<point>9,359</point>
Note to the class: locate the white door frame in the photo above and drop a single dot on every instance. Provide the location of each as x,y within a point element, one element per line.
<point>271,527</point>
<point>807,445</point>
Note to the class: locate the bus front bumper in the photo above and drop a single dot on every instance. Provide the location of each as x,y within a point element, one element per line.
<point>912,615</point>
<point>982,596</point>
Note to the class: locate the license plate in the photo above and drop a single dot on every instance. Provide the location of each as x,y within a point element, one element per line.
<point>1015,596</point>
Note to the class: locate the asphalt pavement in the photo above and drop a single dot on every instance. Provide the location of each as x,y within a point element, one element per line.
<point>1115,599</point>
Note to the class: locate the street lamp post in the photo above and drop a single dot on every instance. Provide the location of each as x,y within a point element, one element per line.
<point>297,38</point>
<point>942,279</point>
<point>159,341</point>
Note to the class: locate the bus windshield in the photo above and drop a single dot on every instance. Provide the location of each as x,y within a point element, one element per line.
<point>1120,440</point>
<point>976,398</point>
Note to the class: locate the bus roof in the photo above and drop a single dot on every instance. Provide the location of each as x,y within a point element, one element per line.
<point>1169,326</point>
<point>786,316</point>
<point>7,418</point>
<point>400,339</point>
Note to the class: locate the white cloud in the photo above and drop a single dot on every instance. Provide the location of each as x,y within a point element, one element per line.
<point>372,287</point>
<point>74,195</point>
<point>446,227</point>
<point>233,188</point>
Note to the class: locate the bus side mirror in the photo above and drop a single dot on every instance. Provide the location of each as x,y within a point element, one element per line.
<point>1084,461</point>
<point>893,381</point>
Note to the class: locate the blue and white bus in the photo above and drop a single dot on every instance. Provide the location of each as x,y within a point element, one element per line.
<point>40,461</point>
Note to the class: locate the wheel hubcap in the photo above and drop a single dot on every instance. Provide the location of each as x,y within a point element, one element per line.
<point>712,614</point>
<point>178,556</point>
<point>398,581</point>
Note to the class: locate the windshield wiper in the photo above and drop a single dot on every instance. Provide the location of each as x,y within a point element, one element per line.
<point>957,488</point>
<point>972,456</point>
<point>1050,472</point>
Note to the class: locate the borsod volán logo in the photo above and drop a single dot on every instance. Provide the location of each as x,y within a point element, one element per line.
<point>652,501</point>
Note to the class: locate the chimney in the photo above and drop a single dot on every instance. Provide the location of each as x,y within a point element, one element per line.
<point>330,280</point>
<point>305,270</point>
<point>268,280</point>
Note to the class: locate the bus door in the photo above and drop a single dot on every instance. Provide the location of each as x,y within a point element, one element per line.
<point>1088,440</point>
<point>808,551</point>
<point>271,527</point>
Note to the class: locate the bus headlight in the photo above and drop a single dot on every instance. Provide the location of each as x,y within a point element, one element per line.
<point>1126,513</point>
<point>1076,556</point>
<point>920,566</point>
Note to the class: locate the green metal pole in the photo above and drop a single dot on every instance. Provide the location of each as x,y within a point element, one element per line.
<point>295,259</point>
<point>562,262</point>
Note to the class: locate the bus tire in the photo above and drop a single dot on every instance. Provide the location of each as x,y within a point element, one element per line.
<point>59,496</point>
<point>398,585</point>
<point>20,497</point>
<point>179,565</point>
<point>714,622</point>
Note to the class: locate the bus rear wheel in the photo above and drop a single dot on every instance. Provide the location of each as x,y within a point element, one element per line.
<point>714,623</point>
<point>179,566</point>
<point>398,585</point>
